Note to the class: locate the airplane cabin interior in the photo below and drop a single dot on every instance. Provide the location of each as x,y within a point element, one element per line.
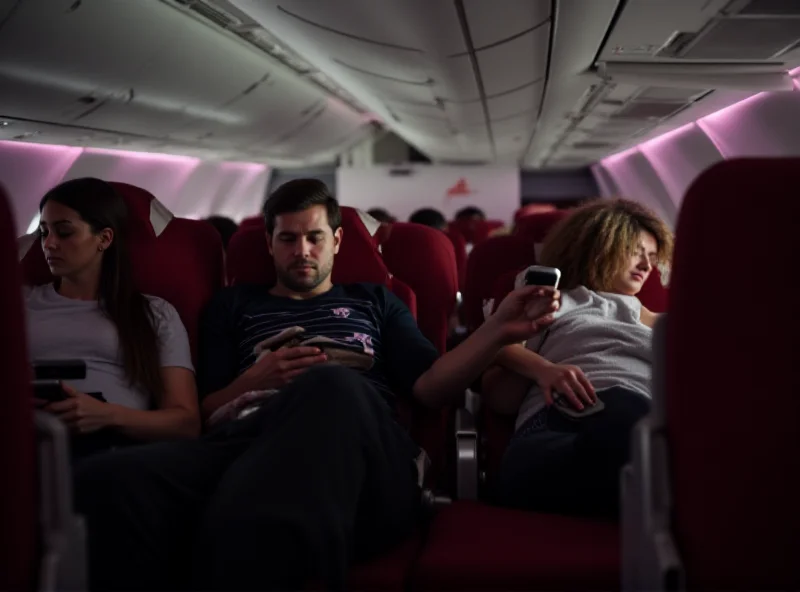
<point>458,138</point>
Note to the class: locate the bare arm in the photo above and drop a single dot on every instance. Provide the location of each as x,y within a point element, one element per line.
<point>648,318</point>
<point>176,418</point>
<point>521,314</point>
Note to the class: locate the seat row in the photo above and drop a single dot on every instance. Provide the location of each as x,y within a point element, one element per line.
<point>710,495</point>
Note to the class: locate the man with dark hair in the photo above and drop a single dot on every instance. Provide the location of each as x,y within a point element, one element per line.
<point>429,217</point>
<point>321,474</point>
<point>470,213</point>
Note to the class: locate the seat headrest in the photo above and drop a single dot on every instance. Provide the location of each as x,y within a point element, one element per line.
<point>358,260</point>
<point>535,227</point>
<point>147,220</point>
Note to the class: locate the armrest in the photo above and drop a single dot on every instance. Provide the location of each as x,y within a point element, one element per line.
<point>63,538</point>
<point>466,455</point>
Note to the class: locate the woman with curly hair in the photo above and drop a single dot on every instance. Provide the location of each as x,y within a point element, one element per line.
<point>579,388</point>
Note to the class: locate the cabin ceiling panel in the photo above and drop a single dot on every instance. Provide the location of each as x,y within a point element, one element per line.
<point>403,59</point>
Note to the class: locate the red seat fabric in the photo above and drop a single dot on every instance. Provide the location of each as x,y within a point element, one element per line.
<point>18,503</point>
<point>460,249</point>
<point>486,262</point>
<point>473,231</point>
<point>435,282</point>
<point>535,227</point>
<point>732,408</point>
<point>184,264</point>
<point>472,546</point>
<point>251,221</point>
<point>534,208</point>
<point>653,294</point>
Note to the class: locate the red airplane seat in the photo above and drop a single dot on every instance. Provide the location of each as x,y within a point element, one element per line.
<point>535,227</point>
<point>435,283</point>
<point>534,208</point>
<point>18,495</point>
<point>474,231</point>
<point>179,260</point>
<point>486,262</point>
<point>460,249</point>
<point>252,221</point>
<point>727,441</point>
<point>473,547</point>
<point>653,294</point>
<point>382,233</point>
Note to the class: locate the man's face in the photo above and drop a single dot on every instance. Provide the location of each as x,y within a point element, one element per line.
<point>303,246</point>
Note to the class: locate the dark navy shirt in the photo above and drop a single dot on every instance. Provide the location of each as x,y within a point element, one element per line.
<point>240,317</point>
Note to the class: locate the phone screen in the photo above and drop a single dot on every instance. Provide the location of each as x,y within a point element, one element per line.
<point>542,277</point>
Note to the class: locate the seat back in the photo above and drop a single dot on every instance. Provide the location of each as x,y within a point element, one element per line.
<point>732,408</point>
<point>435,283</point>
<point>653,294</point>
<point>460,249</point>
<point>534,227</point>
<point>487,261</point>
<point>473,231</point>
<point>18,496</point>
<point>179,260</point>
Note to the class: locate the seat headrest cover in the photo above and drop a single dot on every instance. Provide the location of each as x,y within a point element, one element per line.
<point>145,212</point>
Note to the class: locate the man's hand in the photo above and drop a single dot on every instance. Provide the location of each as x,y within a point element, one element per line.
<point>80,412</point>
<point>569,381</point>
<point>278,368</point>
<point>524,312</point>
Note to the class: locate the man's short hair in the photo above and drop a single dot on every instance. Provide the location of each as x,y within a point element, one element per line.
<point>299,195</point>
<point>469,212</point>
<point>429,217</point>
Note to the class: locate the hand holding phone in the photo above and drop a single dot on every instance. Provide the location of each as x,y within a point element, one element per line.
<point>539,275</point>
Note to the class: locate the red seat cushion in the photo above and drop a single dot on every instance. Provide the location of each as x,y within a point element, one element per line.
<point>184,264</point>
<point>535,227</point>
<point>653,294</point>
<point>486,262</point>
<point>435,283</point>
<point>477,547</point>
<point>732,398</point>
<point>18,515</point>
<point>460,248</point>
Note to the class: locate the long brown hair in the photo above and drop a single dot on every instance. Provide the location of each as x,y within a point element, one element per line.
<point>593,243</point>
<point>100,206</point>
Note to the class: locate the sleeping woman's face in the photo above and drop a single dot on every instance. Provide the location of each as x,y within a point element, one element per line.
<point>70,245</point>
<point>640,263</point>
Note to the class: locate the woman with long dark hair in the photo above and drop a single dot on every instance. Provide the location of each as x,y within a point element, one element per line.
<point>140,379</point>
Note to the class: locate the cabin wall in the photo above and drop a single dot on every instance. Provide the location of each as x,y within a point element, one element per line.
<point>403,190</point>
<point>189,187</point>
<point>659,171</point>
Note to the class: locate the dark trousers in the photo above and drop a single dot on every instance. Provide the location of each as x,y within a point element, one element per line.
<point>558,465</point>
<point>320,476</point>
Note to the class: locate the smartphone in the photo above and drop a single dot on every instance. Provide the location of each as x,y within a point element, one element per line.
<point>538,275</point>
<point>59,370</point>
<point>566,409</point>
<point>48,390</point>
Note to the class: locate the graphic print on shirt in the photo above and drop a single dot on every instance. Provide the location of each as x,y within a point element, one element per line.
<point>348,321</point>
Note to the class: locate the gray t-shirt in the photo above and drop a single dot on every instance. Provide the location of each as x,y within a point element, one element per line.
<point>602,334</point>
<point>65,328</point>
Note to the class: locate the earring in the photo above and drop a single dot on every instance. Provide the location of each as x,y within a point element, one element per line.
<point>100,248</point>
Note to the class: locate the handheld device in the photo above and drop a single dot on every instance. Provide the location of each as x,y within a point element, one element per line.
<point>59,369</point>
<point>48,375</point>
<point>538,275</point>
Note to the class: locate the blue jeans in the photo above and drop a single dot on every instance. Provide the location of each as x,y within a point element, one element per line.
<point>559,465</point>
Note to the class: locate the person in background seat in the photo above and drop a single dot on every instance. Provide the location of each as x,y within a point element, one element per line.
<point>382,216</point>
<point>429,217</point>
<point>321,474</point>
<point>470,213</point>
<point>225,226</point>
<point>598,348</point>
<point>135,347</point>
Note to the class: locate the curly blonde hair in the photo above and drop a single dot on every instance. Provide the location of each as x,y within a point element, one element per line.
<point>593,244</point>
